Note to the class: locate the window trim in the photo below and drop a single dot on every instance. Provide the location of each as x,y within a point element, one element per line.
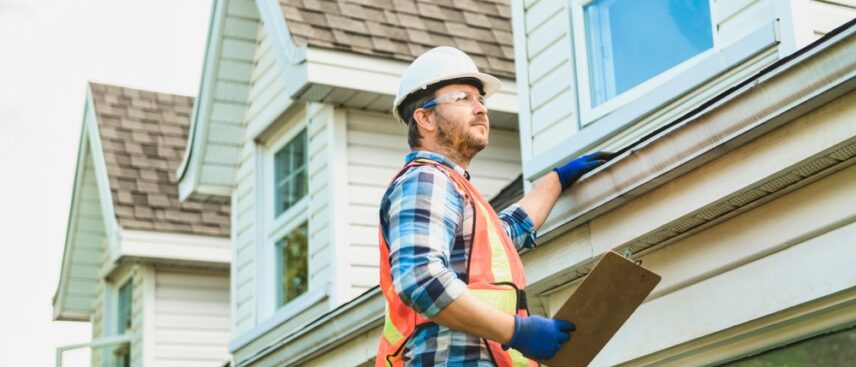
<point>754,43</point>
<point>273,227</point>
<point>588,114</point>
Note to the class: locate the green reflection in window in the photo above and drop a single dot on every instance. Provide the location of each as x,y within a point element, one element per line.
<point>293,254</point>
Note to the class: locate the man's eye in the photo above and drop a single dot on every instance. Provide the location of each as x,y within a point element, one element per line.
<point>462,98</point>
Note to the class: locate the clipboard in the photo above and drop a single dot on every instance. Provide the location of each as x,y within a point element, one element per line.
<point>600,305</point>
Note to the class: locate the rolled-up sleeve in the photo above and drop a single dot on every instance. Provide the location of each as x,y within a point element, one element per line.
<point>422,212</point>
<point>519,227</point>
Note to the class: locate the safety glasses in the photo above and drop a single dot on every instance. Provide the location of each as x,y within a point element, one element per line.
<point>459,98</point>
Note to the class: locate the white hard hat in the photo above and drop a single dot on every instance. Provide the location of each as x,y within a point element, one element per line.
<point>440,64</point>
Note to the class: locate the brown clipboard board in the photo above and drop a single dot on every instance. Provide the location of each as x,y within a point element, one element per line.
<point>600,305</point>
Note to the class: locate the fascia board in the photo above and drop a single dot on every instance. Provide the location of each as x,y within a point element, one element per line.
<point>59,294</point>
<point>201,107</point>
<point>378,75</point>
<point>175,247</point>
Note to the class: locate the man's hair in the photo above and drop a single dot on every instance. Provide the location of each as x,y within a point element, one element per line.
<point>419,97</point>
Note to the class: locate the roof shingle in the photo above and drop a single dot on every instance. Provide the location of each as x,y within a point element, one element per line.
<point>143,136</point>
<point>404,29</point>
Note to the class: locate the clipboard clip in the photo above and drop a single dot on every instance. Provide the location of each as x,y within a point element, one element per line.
<point>628,253</point>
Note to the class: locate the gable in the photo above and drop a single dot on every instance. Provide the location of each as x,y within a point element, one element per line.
<point>86,239</point>
<point>209,162</point>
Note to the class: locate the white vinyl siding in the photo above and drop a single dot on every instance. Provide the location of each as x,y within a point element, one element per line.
<point>229,94</point>
<point>550,74</point>
<point>191,325</point>
<point>826,15</point>
<point>376,148</point>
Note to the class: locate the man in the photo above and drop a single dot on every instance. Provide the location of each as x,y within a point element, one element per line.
<point>450,271</point>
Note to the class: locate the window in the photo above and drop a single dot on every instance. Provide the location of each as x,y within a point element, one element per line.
<point>288,234</point>
<point>124,308</point>
<point>290,178</point>
<point>629,41</point>
<point>293,263</point>
<point>124,321</point>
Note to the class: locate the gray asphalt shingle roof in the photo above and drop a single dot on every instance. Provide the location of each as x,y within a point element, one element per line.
<point>404,29</point>
<point>143,136</point>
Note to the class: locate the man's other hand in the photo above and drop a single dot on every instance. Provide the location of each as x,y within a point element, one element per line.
<point>538,337</point>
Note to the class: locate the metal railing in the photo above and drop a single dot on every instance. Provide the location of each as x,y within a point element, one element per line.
<point>95,343</point>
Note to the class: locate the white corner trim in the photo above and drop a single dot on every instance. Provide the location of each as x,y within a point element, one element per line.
<point>149,315</point>
<point>340,242</point>
<point>351,71</point>
<point>175,247</point>
<point>290,310</point>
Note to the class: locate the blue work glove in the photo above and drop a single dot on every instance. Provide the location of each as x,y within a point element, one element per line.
<point>572,171</point>
<point>538,337</point>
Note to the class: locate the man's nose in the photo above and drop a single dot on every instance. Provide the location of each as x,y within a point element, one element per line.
<point>479,109</point>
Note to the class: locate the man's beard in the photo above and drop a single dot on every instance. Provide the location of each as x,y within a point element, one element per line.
<point>459,138</point>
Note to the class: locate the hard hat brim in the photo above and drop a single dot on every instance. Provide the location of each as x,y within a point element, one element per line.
<point>490,85</point>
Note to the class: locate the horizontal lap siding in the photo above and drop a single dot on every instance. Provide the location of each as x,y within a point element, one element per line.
<point>376,148</point>
<point>550,74</point>
<point>191,319</point>
<point>230,93</point>
<point>826,15</point>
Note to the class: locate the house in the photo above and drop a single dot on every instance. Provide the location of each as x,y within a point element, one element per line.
<point>150,273</point>
<point>733,120</point>
<point>292,126</point>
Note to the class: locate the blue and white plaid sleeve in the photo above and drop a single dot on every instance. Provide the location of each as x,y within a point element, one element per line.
<point>519,227</point>
<point>424,209</point>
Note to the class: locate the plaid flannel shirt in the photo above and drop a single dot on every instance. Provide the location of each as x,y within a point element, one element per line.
<point>428,226</point>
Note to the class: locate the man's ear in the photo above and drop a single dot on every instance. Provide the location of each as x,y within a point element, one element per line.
<point>424,120</point>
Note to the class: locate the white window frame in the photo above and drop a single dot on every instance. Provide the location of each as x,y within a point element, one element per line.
<point>275,228</point>
<point>589,114</point>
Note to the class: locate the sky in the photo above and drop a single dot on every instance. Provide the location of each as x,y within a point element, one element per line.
<point>49,49</point>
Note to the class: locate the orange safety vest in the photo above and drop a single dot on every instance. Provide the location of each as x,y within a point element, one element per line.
<point>495,275</point>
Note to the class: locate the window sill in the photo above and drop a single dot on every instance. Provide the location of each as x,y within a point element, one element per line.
<point>283,314</point>
<point>599,130</point>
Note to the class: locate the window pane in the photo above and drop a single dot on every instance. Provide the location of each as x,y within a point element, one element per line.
<point>124,307</point>
<point>631,41</point>
<point>293,264</point>
<point>836,349</point>
<point>290,179</point>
